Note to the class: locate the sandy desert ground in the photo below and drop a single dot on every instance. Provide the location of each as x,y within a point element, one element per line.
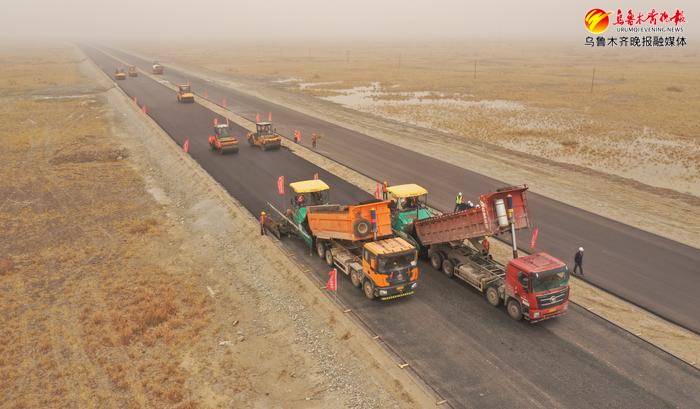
<point>637,121</point>
<point>106,303</point>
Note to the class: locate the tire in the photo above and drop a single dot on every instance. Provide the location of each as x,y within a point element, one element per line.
<point>329,258</point>
<point>320,249</point>
<point>361,227</point>
<point>368,288</point>
<point>448,268</point>
<point>436,260</point>
<point>514,310</point>
<point>492,296</point>
<point>356,279</point>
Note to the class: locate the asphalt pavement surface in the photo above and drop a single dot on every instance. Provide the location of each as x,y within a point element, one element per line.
<point>472,354</point>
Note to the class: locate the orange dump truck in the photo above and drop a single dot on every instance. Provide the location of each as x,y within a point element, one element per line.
<point>357,239</point>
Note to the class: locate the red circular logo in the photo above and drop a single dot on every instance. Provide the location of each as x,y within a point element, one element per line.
<point>597,20</point>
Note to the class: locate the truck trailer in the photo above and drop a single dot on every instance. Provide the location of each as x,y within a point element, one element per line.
<point>534,287</point>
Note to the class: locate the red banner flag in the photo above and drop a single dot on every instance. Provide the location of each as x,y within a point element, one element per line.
<point>269,117</point>
<point>136,100</point>
<point>206,94</point>
<point>186,146</point>
<point>280,185</point>
<point>257,117</point>
<point>332,283</point>
<point>533,241</point>
<point>144,109</point>
<point>297,136</point>
<point>316,176</point>
<point>378,191</point>
<point>224,103</point>
<point>216,121</point>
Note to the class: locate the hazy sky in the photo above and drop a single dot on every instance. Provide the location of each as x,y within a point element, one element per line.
<point>235,19</point>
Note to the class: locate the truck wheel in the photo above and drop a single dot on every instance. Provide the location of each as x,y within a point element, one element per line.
<point>320,249</point>
<point>369,289</point>
<point>329,257</point>
<point>436,260</point>
<point>361,227</point>
<point>514,310</point>
<point>492,296</point>
<point>448,268</point>
<point>355,278</point>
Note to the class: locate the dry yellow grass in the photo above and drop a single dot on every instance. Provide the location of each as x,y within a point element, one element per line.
<point>639,122</point>
<point>88,320</point>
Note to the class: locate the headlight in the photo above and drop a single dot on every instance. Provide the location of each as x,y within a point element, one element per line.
<point>382,292</point>
<point>413,286</point>
<point>536,315</point>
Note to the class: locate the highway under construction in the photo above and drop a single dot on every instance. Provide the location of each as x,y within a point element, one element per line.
<point>469,354</point>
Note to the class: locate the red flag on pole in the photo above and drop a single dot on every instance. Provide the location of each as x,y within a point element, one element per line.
<point>216,121</point>
<point>332,283</point>
<point>533,241</point>
<point>257,117</point>
<point>136,100</point>
<point>206,94</point>
<point>144,109</point>
<point>269,117</point>
<point>316,176</point>
<point>224,103</point>
<point>280,185</point>
<point>378,191</point>
<point>186,146</point>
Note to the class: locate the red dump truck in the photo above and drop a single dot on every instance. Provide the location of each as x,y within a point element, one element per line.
<point>357,239</point>
<point>534,287</point>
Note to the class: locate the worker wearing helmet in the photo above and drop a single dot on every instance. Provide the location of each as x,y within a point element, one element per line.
<point>578,261</point>
<point>458,201</point>
<point>263,219</point>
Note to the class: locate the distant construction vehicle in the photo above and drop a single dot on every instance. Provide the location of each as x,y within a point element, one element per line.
<point>357,239</point>
<point>534,287</point>
<point>265,136</point>
<point>184,93</point>
<point>157,69</point>
<point>120,74</point>
<point>222,140</point>
<point>133,72</point>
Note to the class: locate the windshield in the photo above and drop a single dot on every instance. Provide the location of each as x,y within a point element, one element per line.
<point>222,131</point>
<point>185,88</point>
<point>394,262</point>
<point>549,280</point>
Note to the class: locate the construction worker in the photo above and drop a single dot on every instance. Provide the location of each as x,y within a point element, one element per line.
<point>263,219</point>
<point>485,246</point>
<point>578,261</point>
<point>458,201</point>
<point>385,190</point>
<point>314,138</point>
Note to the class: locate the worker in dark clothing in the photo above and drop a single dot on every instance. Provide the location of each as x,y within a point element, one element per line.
<point>263,218</point>
<point>578,261</point>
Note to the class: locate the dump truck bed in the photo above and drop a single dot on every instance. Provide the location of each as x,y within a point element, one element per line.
<point>351,223</point>
<point>475,222</point>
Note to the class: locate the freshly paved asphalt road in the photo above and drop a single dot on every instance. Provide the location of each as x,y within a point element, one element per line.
<point>653,272</point>
<point>471,353</point>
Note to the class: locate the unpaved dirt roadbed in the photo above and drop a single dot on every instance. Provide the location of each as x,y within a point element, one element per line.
<point>127,279</point>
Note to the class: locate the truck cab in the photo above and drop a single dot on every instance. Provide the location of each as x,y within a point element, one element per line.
<point>391,268</point>
<point>536,287</point>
